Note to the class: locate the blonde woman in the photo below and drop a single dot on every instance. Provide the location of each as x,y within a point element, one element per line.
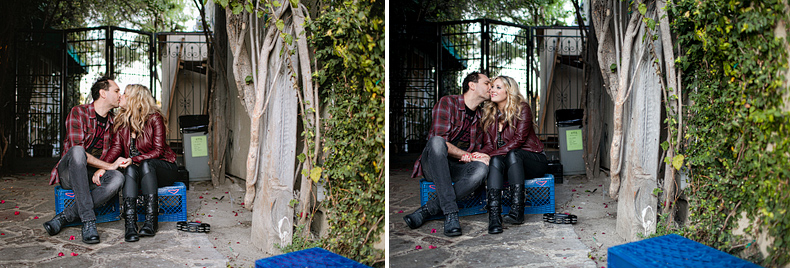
<point>514,149</point>
<point>139,134</point>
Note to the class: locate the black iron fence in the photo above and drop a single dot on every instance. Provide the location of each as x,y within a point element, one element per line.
<point>55,69</point>
<point>429,61</point>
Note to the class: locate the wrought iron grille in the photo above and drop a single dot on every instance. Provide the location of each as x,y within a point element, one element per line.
<point>430,60</point>
<point>55,70</point>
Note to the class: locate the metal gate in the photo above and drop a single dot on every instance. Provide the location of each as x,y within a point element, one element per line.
<point>55,70</point>
<point>430,60</point>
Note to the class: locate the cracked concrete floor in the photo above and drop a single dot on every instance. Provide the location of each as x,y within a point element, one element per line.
<point>534,244</point>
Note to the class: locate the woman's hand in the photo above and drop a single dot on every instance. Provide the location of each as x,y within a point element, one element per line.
<point>479,155</point>
<point>466,158</point>
<point>97,176</point>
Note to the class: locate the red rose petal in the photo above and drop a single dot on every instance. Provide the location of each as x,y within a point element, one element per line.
<point>201,197</point>
<point>16,212</point>
<point>74,254</point>
<point>573,190</point>
<point>400,211</point>
<point>2,201</point>
<point>226,192</point>
<point>60,254</point>
<point>603,233</point>
<point>198,221</point>
<point>35,218</point>
<point>2,233</point>
<point>71,237</point>
<point>433,231</point>
<point>418,247</point>
<point>242,203</point>
<point>432,247</point>
<point>237,214</point>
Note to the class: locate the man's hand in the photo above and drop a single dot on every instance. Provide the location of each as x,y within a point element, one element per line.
<point>121,162</point>
<point>97,176</point>
<point>481,157</point>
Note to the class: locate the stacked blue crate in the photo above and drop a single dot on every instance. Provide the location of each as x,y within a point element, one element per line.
<point>470,205</point>
<point>539,197</point>
<point>172,204</point>
<point>671,251</point>
<point>106,213</point>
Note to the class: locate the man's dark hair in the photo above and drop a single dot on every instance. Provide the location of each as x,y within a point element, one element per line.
<point>472,77</point>
<point>102,83</point>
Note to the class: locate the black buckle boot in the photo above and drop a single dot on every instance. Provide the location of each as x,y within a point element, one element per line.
<point>516,214</point>
<point>54,225</point>
<point>452,226</point>
<point>418,217</point>
<point>130,216</point>
<point>151,224</point>
<point>89,233</point>
<point>494,211</point>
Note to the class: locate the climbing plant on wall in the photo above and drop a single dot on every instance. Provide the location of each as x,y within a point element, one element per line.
<point>738,141</point>
<point>349,40</point>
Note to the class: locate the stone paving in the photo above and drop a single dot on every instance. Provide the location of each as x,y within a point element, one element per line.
<point>534,244</point>
<point>27,201</point>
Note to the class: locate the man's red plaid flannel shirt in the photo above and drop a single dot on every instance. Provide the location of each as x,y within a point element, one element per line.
<point>448,119</point>
<point>80,127</point>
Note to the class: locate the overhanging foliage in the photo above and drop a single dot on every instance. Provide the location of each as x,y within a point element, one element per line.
<point>738,145</point>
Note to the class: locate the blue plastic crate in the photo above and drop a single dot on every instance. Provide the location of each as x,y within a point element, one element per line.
<point>470,205</point>
<point>312,257</point>
<point>671,251</point>
<point>108,212</point>
<point>539,196</point>
<point>172,204</point>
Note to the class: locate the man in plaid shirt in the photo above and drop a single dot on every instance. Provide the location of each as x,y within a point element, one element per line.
<point>88,137</point>
<point>447,157</point>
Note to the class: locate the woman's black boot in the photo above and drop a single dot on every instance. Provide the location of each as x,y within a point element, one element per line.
<point>151,223</point>
<point>130,216</point>
<point>494,211</point>
<point>516,214</point>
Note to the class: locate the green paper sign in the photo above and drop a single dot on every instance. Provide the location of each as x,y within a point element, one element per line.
<point>199,146</point>
<point>573,139</point>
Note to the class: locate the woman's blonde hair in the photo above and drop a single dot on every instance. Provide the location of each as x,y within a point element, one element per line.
<point>140,104</point>
<point>512,110</point>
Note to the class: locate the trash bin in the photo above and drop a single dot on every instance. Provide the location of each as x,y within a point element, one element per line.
<point>194,130</point>
<point>569,124</point>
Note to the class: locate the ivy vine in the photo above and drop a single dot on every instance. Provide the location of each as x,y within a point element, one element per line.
<point>349,40</point>
<point>737,141</point>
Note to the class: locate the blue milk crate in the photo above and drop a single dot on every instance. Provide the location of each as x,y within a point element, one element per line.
<point>108,212</point>
<point>470,205</point>
<point>172,204</point>
<point>671,251</point>
<point>312,257</point>
<point>539,196</point>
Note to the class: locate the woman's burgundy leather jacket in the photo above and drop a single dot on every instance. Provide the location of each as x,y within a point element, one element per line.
<point>522,136</point>
<point>151,143</point>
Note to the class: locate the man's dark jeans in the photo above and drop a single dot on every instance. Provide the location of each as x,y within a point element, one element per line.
<point>443,171</point>
<point>75,175</point>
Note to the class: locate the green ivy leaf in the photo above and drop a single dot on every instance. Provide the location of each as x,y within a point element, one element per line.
<point>677,161</point>
<point>237,8</point>
<point>642,9</point>
<point>248,79</point>
<point>315,174</point>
